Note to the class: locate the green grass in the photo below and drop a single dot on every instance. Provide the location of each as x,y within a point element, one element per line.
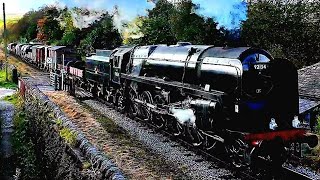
<point>4,83</point>
<point>14,99</point>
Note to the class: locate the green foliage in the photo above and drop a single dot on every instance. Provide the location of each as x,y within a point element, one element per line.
<point>59,123</point>
<point>52,30</point>
<point>289,29</point>
<point>168,23</point>
<point>86,165</point>
<point>14,99</point>
<point>102,35</point>
<point>156,28</point>
<point>132,29</point>
<point>68,136</point>
<point>70,33</point>
<point>67,21</point>
<point>22,144</point>
<point>31,32</point>
<point>68,39</point>
<point>25,27</point>
<point>4,83</point>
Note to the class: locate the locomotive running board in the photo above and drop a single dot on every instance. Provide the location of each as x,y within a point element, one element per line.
<point>186,88</point>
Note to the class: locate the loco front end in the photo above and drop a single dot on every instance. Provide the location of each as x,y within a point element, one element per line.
<point>269,106</point>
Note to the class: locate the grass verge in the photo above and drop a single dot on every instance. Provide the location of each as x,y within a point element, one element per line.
<point>14,99</point>
<point>6,84</point>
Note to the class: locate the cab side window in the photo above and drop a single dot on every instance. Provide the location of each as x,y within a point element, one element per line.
<point>117,61</point>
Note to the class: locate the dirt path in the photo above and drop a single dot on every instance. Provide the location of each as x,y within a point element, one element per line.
<point>129,155</point>
<point>23,68</point>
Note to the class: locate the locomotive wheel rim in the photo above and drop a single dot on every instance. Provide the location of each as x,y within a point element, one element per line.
<point>209,146</point>
<point>120,103</point>
<point>179,129</point>
<point>145,111</point>
<point>197,137</point>
<point>159,121</point>
<point>133,107</point>
<point>209,142</point>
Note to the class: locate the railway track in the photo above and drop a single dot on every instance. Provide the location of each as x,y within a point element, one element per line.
<point>243,173</point>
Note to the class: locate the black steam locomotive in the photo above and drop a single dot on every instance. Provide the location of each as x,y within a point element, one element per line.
<point>240,98</point>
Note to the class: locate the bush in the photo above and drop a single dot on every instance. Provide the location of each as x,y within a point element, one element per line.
<point>69,136</point>
<point>4,83</point>
<point>23,147</point>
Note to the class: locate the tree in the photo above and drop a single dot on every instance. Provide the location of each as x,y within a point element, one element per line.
<point>41,35</point>
<point>156,28</point>
<point>69,37</point>
<point>51,29</point>
<point>102,35</point>
<point>168,23</point>
<point>31,31</point>
<point>287,28</point>
<point>26,27</point>
<point>132,31</point>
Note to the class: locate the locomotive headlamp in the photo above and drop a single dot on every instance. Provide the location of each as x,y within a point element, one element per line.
<point>273,125</point>
<point>295,122</point>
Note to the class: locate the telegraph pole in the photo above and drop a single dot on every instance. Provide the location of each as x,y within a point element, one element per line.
<point>5,39</point>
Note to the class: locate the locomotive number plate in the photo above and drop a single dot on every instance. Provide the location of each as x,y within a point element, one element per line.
<point>260,66</point>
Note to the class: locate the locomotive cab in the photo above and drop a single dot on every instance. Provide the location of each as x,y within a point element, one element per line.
<point>119,61</point>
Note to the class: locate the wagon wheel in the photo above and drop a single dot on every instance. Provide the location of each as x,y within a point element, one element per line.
<point>145,111</point>
<point>133,108</point>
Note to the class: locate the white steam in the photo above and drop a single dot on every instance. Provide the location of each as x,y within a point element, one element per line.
<point>83,20</point>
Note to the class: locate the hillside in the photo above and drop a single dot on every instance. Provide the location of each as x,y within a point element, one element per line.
<point>11,19</point>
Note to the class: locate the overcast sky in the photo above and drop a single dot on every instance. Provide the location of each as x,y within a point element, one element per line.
<point>219,9</point>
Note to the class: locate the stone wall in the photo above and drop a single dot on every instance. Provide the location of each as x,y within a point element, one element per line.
<point>62,160</point>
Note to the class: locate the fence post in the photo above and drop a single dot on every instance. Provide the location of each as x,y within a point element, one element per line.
<point>55,82</point>
<point>15,75</point>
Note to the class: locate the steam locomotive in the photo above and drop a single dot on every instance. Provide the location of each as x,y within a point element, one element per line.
<point>240,98</point>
